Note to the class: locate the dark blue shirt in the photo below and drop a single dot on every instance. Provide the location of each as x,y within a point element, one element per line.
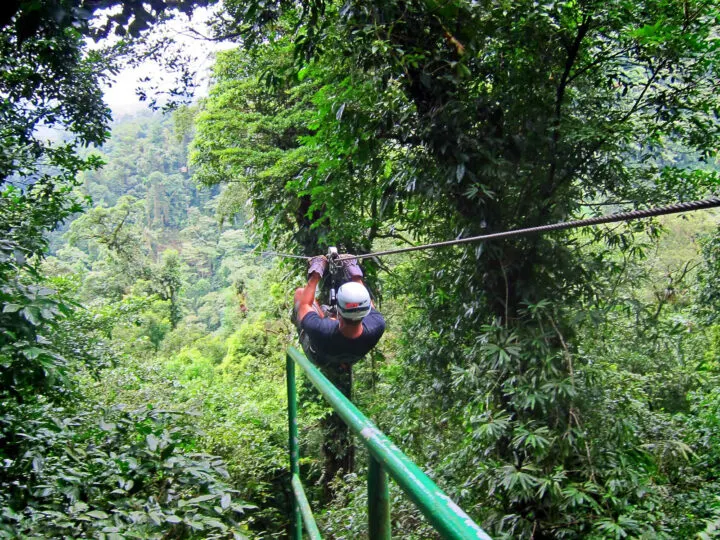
<point>331,347</point>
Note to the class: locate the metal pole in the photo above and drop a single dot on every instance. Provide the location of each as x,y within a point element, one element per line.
<point>296,520</point>
<point>307,515</point>
<point>378,501</point>
<point>440,510</point>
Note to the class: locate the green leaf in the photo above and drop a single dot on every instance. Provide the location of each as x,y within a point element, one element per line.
<point>217,524</point>
<point>32,353</point>
<point>20,257</point>
<point>98,514</point>
<point>11,308</point>
<point>152,442</point>
<point>202,498</point>
<point>107,426</point>
<point>31,315</point>
<point>197,525</point>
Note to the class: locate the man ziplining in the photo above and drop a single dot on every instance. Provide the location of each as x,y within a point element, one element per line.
<point>340,341</point>
<point>337,341</point>
<point>334,338</point>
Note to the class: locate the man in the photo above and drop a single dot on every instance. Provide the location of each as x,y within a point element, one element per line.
<point>335,344</point>
<point>342,341</point>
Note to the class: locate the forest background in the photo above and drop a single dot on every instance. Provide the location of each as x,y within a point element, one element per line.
<point>558,386</point>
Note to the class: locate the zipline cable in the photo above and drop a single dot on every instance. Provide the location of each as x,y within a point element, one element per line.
<point>712,202</point>
<point>275,254</point>
<point>285,255</point>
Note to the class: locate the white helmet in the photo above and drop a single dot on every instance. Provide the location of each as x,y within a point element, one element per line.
<point>353,301</point>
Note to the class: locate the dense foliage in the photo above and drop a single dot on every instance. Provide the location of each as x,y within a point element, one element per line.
<point>436,121</point>
<point>69,467</point>
<point>559,386</point>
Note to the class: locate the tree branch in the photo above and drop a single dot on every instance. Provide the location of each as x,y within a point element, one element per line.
<point>573,52</point>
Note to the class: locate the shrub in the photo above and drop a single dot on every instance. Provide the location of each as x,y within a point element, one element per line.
<point>110,474</point>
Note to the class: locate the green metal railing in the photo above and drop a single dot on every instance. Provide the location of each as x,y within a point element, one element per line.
<point>385,458</point>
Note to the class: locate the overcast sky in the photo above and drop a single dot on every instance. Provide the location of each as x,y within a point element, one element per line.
<point>121,96</point>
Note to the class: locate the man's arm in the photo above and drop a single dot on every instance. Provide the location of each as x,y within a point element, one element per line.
<point>354,272</point>
<point>307,296</point>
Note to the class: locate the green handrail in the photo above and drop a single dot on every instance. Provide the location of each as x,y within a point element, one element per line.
<point>385,458</point>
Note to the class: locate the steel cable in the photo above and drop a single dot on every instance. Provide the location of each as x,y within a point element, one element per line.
<point>712,202</point>
<point>275,254</point>
<point>285,255</point>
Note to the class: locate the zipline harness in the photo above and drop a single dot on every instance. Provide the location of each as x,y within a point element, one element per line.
<point>712,202</point>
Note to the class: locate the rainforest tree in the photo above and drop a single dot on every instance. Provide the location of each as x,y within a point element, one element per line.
<point>530,375</point>
<point>56,440</point>
<point>467,118</point>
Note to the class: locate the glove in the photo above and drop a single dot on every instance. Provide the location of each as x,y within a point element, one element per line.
<point>317,265</point>
<point>351,267</point>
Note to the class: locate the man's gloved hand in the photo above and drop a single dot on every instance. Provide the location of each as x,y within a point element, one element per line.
<point>317,264</point>
<point>350,266</point>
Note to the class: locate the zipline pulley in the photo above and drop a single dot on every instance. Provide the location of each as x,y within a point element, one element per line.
<point>335,266</point>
